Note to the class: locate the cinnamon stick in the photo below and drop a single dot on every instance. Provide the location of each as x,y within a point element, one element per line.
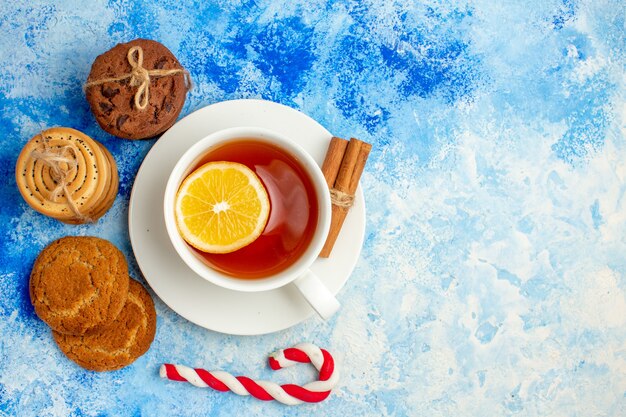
<point>332,161</point>
<point>345,184</point>
<point>361,159</point>
<point>342,183</point>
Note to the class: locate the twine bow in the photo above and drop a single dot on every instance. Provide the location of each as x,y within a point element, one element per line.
<point>140,77</point>
<point>341,199</point>
<point>60,174</point>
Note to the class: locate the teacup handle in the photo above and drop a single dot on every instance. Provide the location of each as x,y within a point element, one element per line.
<point>317,295</point>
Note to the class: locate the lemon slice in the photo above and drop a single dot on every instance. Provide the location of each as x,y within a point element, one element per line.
<point>221,207</point>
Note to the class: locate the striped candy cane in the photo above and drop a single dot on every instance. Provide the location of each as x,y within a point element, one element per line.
<point>289,394</point>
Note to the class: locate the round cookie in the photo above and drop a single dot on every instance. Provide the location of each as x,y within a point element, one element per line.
<point>113,102</point>
<point>120,343</point>
<point>63,156</point>
<point>109,194</point>
<point>79,283</point>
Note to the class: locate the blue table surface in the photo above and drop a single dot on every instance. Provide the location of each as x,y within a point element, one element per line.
<point>492,277</point>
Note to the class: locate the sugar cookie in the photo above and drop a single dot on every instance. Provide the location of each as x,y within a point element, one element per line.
<point>79,283</point>
<point>120,343</point>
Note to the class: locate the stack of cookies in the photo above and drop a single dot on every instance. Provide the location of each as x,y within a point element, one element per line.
<point>65,174</point>
<point>101,318</point>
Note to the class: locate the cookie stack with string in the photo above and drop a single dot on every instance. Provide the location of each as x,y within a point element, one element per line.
<point>65,174</point>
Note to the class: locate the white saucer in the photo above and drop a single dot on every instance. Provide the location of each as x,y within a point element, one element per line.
<point>179,287</point>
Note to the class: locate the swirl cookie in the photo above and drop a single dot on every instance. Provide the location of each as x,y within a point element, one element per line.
<point>111,190</point>
<point>137,89</point>
<point>120,343</point>
<point>79,284</point>
<point>67,175</point>
<point>109,193</point>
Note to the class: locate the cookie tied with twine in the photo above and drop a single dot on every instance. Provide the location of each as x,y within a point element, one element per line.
<point>140,77</point>
<point>136,90</point>
<point>65,174</point>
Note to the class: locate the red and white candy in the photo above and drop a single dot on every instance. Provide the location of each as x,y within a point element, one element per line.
<point>289,394</point>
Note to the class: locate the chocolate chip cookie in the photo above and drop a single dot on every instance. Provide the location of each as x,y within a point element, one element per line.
<point>130,76</point>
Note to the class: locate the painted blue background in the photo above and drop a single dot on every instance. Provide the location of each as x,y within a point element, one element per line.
<point>492,279</point>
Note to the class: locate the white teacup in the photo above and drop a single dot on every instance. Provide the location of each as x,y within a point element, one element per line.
<point>299,273</point>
